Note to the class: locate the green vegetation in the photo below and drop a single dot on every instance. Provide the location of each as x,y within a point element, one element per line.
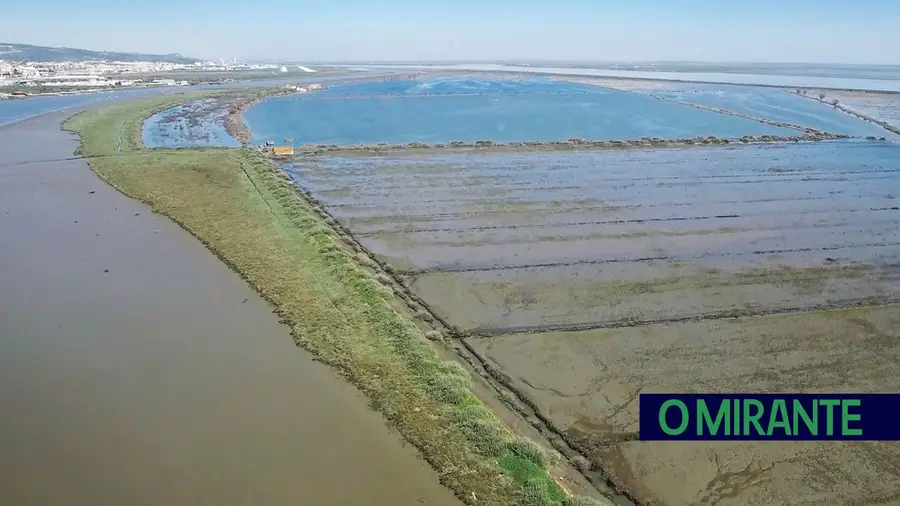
<point>39,90</point>
<point>249,214</point>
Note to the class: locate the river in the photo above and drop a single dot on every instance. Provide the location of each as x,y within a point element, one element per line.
<point>136,368</point>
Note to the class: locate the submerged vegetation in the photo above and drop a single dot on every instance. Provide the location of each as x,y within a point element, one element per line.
<point>574,143</point>
<point>249,214</point>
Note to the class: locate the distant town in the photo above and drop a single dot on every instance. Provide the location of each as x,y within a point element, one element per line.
<point>23,78</point>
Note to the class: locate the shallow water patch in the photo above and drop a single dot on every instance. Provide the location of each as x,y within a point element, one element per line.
<point>200,123</point>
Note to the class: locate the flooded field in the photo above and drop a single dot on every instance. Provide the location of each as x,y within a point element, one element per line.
<point>583,278</point>
<point>881,106</point>
<point>771,103</point>
<point>197,123</point>
<point>502,241</point>
<point>587,384</point>
<point>774,104</point>
<point>471,109</point>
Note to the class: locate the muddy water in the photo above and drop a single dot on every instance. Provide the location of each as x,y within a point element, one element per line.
<point>137,369</point>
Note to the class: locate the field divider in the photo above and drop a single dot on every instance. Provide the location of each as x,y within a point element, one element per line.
<point>605,207</point>
<point>486,268</point>
<point>728,112</point>
<point>373,233</point>
<point>591,208</point>
<point>809,136</point>
<point>731,314</point>
<point>551,225</point>
<point>778,177</point>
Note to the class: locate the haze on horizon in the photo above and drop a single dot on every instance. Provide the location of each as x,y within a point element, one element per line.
<point>814,31</point>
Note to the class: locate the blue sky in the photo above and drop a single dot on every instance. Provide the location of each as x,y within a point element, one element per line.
<point>861,31</point>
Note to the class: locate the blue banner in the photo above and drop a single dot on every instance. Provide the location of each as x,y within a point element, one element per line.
<point>769,417</point>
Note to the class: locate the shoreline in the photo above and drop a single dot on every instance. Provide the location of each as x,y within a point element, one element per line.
<point>234,122</point>
<point>571,144</point>
<point>105,89</point>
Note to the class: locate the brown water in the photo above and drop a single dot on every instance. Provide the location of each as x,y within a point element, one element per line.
<point>165,380</point>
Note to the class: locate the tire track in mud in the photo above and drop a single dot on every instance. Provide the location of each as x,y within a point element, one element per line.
<point>407,231</point>
<point>659,258</point>
<point>483,331</point>
<point>598,477</point>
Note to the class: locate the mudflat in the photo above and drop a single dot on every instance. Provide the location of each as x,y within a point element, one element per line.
<point>582,279</point>
<point>135,368</point>
<point>587,384</point>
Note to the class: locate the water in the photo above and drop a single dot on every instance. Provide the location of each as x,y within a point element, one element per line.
<point>867,173</point>
<point>805,81</point>
<point>15,110</point>
<point>444,110</point>
<point>776,105</point>
<point>20,109</point>
<point>198,123</point>
<point>815,200</point>
<point>167,379</point>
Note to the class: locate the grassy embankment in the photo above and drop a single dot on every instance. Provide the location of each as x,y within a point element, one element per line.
<point>250,215</point>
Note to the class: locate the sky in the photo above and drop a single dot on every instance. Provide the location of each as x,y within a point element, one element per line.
<point>838,31</point>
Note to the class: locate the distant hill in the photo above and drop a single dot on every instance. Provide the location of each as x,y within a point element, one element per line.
<point>27,52</point>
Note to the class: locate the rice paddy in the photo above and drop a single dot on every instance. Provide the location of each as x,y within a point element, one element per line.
<point>573,280</point>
